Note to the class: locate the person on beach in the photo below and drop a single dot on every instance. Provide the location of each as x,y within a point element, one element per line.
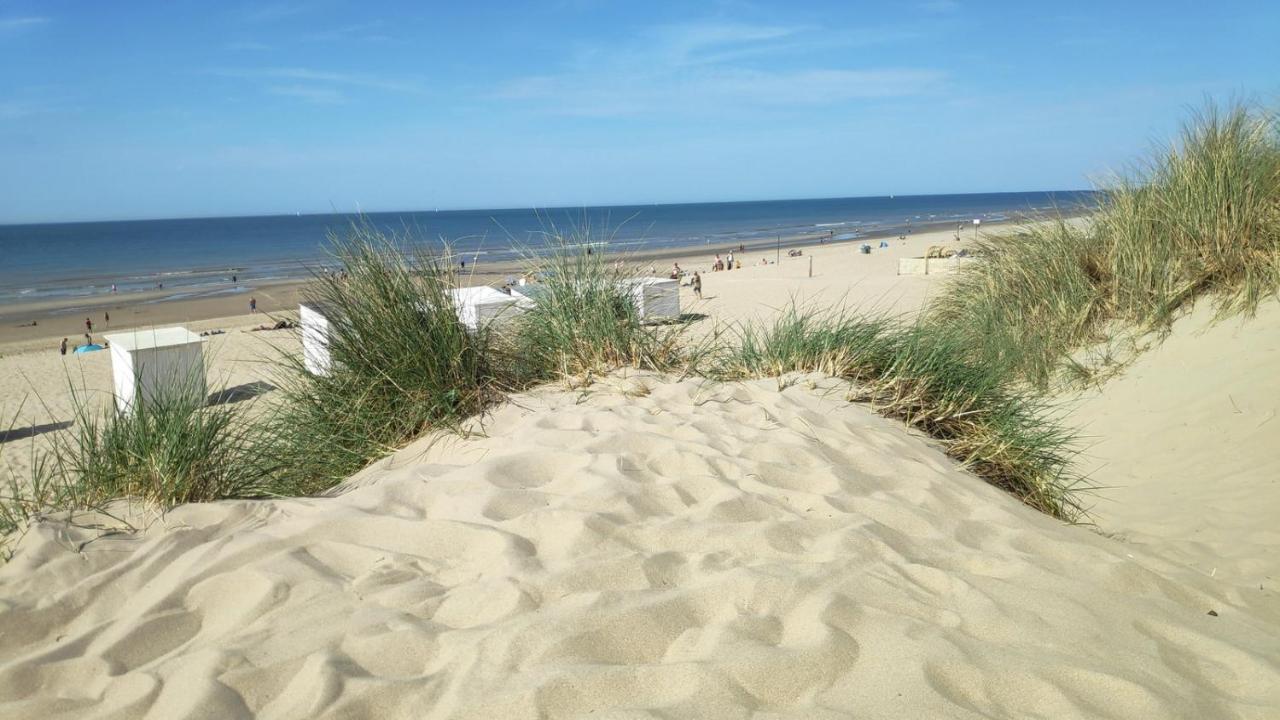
<point>106,317</point>
<point>718,265</point>
<point>113,287</point>
<point>253,305</point>
<point>729,265</point>
<point>697,284</point>
<point>676,272</point>
<point>62,349</point>
<point>88,324</point>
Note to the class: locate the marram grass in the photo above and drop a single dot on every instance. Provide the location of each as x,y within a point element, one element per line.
<point>1199,219</point>
<point>1000,430</point>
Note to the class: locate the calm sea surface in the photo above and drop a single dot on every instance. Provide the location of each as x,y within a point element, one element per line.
<point>198,256</point>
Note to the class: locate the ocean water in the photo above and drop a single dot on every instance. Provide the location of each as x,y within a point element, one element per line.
<point>198,256</point>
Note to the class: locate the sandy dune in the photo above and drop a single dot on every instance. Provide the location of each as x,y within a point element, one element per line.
<point>1186,444</point>
<point>660,549</point>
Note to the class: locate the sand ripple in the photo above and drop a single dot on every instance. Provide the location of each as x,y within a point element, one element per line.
<point>697,551</point>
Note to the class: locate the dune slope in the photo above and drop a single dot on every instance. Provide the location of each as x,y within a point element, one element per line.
<point>1187,445</point>
<point>667,549</point>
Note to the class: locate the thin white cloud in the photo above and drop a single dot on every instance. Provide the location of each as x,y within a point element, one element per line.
<point>12,25</point>
<point>714,66</point>
<point>373,31</point>
<point>940,6</point>
<point>309,93</point>
<point>265,12</point>
<point>308,75</point>
<point>14,109</point>
<point>248,45</point>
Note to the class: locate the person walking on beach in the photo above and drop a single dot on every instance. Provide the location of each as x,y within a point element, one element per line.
<point>253,305</point>
<point>88,324</point>
<point>729,265</point>
<point>62,349</point>
<point>697,284</point>
<point>106,317</point>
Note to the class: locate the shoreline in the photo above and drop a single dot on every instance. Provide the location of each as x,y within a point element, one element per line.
<point>55,320</point>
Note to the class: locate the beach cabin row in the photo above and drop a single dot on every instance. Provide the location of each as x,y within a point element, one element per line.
<point>482,306</point>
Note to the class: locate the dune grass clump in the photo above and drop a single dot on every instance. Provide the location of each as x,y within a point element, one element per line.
<point>402,363</point>
<point>1001,431</point>
<point>168,449</point>
<point>1034,295</point>
<point>1200,218</point>
<point>584,320</point>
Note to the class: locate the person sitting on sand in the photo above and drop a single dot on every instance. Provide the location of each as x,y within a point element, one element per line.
<point>676,272</point>
<point>279,325</point>
<point>697,284</point>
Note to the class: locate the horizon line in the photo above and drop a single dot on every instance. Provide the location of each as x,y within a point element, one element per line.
<point>358,213</point>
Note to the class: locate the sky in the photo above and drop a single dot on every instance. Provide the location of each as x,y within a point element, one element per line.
<point>191,109</point>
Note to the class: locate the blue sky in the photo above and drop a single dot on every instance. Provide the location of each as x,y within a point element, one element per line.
<point>168,109</point>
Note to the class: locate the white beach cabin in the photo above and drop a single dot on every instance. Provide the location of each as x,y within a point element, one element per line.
<point>479,306</point>
<point>314,319</point>
<point>160,360</point>
<point>528,295</point>
<point>655,298</point>
<point>476,307</point>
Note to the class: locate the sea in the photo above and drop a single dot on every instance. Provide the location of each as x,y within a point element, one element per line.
<point>199,257</point>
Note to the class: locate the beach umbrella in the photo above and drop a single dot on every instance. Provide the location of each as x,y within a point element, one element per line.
<point>86,348</point>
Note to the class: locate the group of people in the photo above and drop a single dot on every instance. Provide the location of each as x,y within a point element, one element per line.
<point>88,332</point>
<point>727,263</point>
<point>88,340</point>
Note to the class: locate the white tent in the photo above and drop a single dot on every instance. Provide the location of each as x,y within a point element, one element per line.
<point>479,306</point>
<point>147,362</point>
<point>314,319</point>
<point>655,298</point>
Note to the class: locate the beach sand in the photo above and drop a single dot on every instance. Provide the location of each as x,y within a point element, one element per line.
<point>648,547</point>
<point>1186,443</point>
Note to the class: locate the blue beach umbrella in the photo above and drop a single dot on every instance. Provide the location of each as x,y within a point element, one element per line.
<point>86,348</point>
